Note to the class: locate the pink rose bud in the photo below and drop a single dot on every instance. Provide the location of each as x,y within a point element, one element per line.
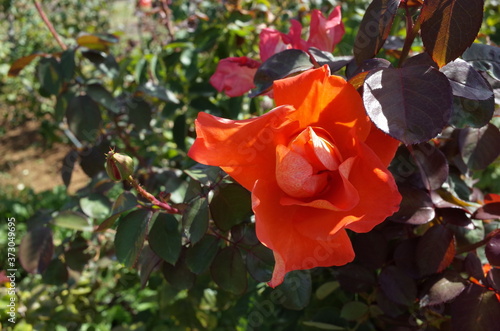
<point>119,166</point>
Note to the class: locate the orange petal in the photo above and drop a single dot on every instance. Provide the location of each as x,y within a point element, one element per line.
<point>246,149</point>
<point>379,198</point>
<point>325,101</point>
<point>382,144</point>
<point>294,250</point>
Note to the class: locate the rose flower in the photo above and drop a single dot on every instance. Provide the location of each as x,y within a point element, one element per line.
<point>315,165</point>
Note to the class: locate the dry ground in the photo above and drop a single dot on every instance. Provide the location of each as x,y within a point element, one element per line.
<point>24,162</point>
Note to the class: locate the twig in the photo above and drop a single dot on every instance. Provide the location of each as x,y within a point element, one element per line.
<point>49,25</point>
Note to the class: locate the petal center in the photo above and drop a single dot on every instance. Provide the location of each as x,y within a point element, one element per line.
<point>304,166</point>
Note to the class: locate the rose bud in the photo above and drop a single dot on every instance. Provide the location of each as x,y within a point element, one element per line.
<point>119,166</point>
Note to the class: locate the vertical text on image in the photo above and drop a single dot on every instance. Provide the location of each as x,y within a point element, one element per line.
<point>11,268</point>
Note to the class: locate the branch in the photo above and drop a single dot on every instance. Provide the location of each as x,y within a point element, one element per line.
<point>49,25</point>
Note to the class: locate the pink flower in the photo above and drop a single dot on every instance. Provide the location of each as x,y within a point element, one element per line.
<point>326,33</point>
<point>234,75</point>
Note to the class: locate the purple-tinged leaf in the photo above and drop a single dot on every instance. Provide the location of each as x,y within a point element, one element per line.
<point>398,286</point>
<point>415,208</point>
<point>420,59</point>
<point>444,34</point>
<point>84,118</point>
<point>334,62</point>
<point>484,58</point>
<point>435,250</point>
<point>412,104</point>
<point>492,250</point>
<point>442,288</point>
<point>473,266</point>
<point>356,278</point>
<point>432,164</point>
<point>466,82</point>
<point>363,244</point>
<point>148,262</point>
<point>178,275</point>
<point>493,279</point>
<point>165,238</point>
<point>374,28</point>
<point>476,146</point>
<point>476,308</point>
<point>455,216</point>
<point>36,250</point>
<point>200,256</point>
<point>405,257</point>
<point>488,211</point>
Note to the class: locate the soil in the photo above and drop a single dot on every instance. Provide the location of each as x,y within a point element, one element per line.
<point>24,162</point>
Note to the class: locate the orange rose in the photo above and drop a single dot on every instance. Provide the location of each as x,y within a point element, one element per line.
<point>315,165</point>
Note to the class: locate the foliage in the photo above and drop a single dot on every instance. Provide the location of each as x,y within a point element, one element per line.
<point>111,258</point>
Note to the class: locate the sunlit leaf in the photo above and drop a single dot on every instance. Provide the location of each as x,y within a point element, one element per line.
<point>195,219</point>
<point>444,34</point>
<point>95,205</point>
<point>412,104</point>
<point>374,28</point>
<point>20,63</point>
<point>72,220</point>
<point>280,65</point>
<point>443,288</point>
<point>484,58</point>
<point>466,82</point>
<point>476,146</point>
<point>492,250</point>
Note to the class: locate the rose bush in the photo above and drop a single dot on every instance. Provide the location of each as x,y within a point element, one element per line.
<point>234,75</point>
<point>315,165</point>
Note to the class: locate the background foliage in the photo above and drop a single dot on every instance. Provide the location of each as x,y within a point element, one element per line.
<point>95,261</point>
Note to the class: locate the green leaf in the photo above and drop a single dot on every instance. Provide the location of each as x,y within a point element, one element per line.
<point>62,103</point>
<point>323,326</point>
<point>36,250</point>
<point>195,219</point>
<point>99,94</point>
<point>139,113</point>
<point>49,75</point>
<point>260,262</point>
<point>179,276</point>
<point>374,28</point>
<point>228,271</point>
<point>84,118</point>
<point>130,236</point>
<point>296,290</point>
<point>354,310</point>
<point>444,34</point>
<point>280,65</point>
<point>476,146</point>
<point>204,174</point>
<point>158,91</point>
<point>125,201</point>
<point>326,289</point>
<point>95,205</point>
<point>165,238</point>
<point>68,64</point>
<point>147,264</point>
<point>72,220</point>
<point>231,205</point>
<point>411,104</point>
<point>484,58</point>
<point>68,165</point>
<point>56,273</point>
<point>200,256</point>
<point>180,131</point>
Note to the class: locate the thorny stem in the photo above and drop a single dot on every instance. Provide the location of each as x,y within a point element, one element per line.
<point>49,25</point>
<point>163,205</point>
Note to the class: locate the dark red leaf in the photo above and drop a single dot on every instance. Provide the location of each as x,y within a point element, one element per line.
<point>415,208</point>
<point>363,244</point>
<point>374,28</point>
<point>435,250</point>
<point>355,278</point>
<point>444,34</point>
<point>473,266</point>
<point>484,58</point>
<point>466,82</point>
<point>492,250</point>
<point>455,216</point>
<point>476,309</point>
<point>411,104</point>
<point>493,279</point>
<point>36,250</point>
<point>19,64</point>
<point>443,288</point>
<point>432,164</point>
<point>476,146</point>
<point>398,286</point>
<point>488,211</point>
